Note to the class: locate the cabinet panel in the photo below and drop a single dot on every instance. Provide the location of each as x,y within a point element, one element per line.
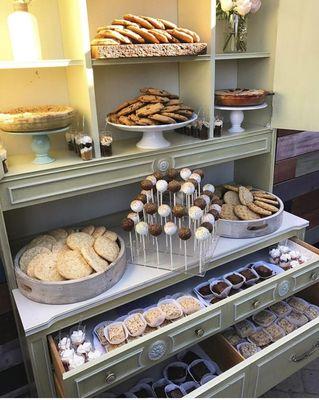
<point>296,66</point>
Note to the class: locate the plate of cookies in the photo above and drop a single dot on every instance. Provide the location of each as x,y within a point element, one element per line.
<point>248,212</point>
<point>69,265</point>
<point>152,112</point>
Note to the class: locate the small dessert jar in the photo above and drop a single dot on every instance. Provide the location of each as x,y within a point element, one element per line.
<point>86,147</point>
<point>218,126</point>
<point>106,141</point>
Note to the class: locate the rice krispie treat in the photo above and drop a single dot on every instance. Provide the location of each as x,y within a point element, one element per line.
<point>135,324</point>
<point>247,349</point>
<point>275,331</point>
<point>312,312</point>
<point>260,338</point>
<point>297,318</point>
<point>116,333</point>
<point>298,304</point>
<point>281,308</point>
<point>286,325</point>
<point>189,304</point>
<point>154,316</point>
<point>171,309</point>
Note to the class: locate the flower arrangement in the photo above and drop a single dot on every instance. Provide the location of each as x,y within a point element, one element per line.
<point>235,13</point>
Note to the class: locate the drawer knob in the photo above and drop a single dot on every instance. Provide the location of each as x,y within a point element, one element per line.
<point>315,276</point>
<point>256,304</point>
<point>200,332</point>
<point>110,377</point>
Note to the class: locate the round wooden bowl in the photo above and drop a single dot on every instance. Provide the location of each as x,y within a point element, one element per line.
<point>71,291</point>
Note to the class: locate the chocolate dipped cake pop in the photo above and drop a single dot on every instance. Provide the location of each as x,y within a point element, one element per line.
<point>141,197</point>
<point>146,184</point>
<point>179,211</point>
<point>151,208</point>
<point>208,226</point>
<point>209,194</point>
<point>158,175</point>
<point>200,202</point>
<point>170,229</point>
<point>200,172</point>
<point>184,233</point>
<point>214,213</point>
<point>128,225</point>
<point>172,173</point>
<point>174,186</point>
<point>152,179</point>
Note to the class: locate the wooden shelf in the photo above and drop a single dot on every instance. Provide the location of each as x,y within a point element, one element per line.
<point>241,56</point>
<point>149,60</point>
<point>60,63</point>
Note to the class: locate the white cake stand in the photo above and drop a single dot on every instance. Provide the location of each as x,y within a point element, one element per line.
<point>237,115</point>
<point>153,135</point>
<point>41,144</point>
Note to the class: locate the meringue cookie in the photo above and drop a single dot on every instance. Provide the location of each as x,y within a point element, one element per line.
<point>84,348</point>
<point>195,213</point>
<point>142,228</point>
<point>185,173</point>
<point>94,354</point>
<point>275,253</point>
<point>295,255</point>
<point>170,228</point>
<point>64,343</point>
<point>283,249</point>
<point>164,210</point>
<point>294,264</point>
<point>77,337</point>
<point>137,206</point>
<point>209,187</point>
<point>76,361</point>
<point>67,355</point>
<point>202,233</point>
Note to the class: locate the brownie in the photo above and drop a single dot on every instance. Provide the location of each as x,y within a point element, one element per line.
<point>219,287</point>
<point>199,370</point>
<point>176,373</point>
<point>234,279</point>
<point>215,300</point>
<point>205,290</point>
<point>142,393</point>
<point>189,357</point>
<point>175,393</point>
<point>160,391</point>
<point>263,271</point>
<point>248,274</point>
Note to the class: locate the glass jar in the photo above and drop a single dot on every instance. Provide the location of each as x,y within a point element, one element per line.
<point>106,141</point>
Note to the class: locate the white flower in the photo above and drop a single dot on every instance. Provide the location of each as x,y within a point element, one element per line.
<point>255,6</point>
<point>226,5</point>
<point>243,7</point>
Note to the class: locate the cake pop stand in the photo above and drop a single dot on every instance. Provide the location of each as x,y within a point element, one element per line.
<point>153,135</point>
<point>41,144</point>
<point>237,115</point>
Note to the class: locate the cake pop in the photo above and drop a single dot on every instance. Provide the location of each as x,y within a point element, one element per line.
<point>195,213</point>
<point>174,187</point>
<point>185,234</point>
<point>209,218</point>
<point>172,173</point>
<point>147,184</point>
<point>158,175</point>
<point>170,229</point>
<point>209,187</point>
<point>201,234</point>
<point>208,226</point>
<point>200,172</point>
<point>148,195</point>
<point>214,213</point>
<point>164,211</point>
<point>185,173</point>
<point>156,230</point>
<point>137,206</point>
<point>216,207</point>
<point>206,198</point>
<point>128,226</point>
<point>161,187</point>
<point>200,202</point>
<point>142,229</point>
<point>188,189</point>
<point>142,197</point>
<point>150,209</point>
<point>217,201</point>
<point>209,194</point>
<point>152,179</point>
<point>179,212</point>
<point>134,217</point>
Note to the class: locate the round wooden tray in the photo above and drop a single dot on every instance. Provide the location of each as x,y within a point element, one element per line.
<point>72,291</point>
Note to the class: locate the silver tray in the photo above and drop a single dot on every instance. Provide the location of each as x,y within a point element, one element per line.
<point>252,228</point>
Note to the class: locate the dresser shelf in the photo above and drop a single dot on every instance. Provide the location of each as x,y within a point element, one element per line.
<point>61,63</point>
<point>241,56</point>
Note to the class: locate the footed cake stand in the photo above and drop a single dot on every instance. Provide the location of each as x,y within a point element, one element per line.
<point>41,144</point>
<point>153,135</point>
<point>237,115</point>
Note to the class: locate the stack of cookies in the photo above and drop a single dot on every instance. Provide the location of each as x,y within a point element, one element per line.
<point>66,254</point>
<point>151,107</point>
<point>242,203</point>
<point>140,36</point>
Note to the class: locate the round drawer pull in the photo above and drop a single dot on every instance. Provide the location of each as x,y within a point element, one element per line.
<point>110,377</point>
<point>200,332</point>
<point>314,276</point>
<point>256,304</point>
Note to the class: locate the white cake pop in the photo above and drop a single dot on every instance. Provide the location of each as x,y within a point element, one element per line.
<point>152,179</point>
<point>170,228</point>
<point>142,228</point>
<point>137,206</point>
<point>195,213</point>
<point>134,217</point>
<point>164,210</point>
<point>196,177</point>
<point>185,173</point>
<point>202,233</point>
<point>216,207</point>
<point>209,187</point>
<point>206,198</point>
<point>209,218</point>
<point>161,185</point>
<point>188,188</point>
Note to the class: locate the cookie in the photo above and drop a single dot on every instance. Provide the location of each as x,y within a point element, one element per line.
<point>159,35</point>
<point>231,197</point>
<point>232,188</point>
<point>174,102</point>
<point>135,37</point>
<point>187,108</point>
<point>138,20</point>
<point>266,206</point>
<point>227,212</point>
<point>167,24</point>
<point>175,116</point>
<point>265,195</point>
<point>123,22</point>
<point>94,260</point>
<point>155,92</point>
<point>43,240</point>
<point>245,195</point>
<point>157,24</point>
<point>98,231</point>
<point>193,34</point>
<point>125,121</point>
<point>105,42</point>
<point>150,109</point>
<point>141,121</point>
<point>172,108</point>
<point>45,268</point>
<point>186,113</point>
<point>29,254</point>
<point>58,248</point>
<point>109,27</point>
<point>149,98</point>
<point>147,122</point>
<point>106,248</point>
<point>146,35</point>
<point>110,235</point>
<point>79,239</point>
<point>124,105</point>
<point>59,234</point>
<point>88,229</point>
<point>268,201</point>
<point>261,211</point>
<point>71,265</point>
<point>130,109</point>
<point>180,35</point>
<point>112,118</point>
<point>245,214</point>
<point>111,34</point>
<point>163,119</point>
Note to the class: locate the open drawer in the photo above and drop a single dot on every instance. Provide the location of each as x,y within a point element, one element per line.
<point>138,355</point>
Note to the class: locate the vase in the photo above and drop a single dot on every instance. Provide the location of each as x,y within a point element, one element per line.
<point>235,34</point>
<point>24,34</point>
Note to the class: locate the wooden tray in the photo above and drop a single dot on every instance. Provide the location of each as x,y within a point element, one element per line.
<point>148,50</point>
